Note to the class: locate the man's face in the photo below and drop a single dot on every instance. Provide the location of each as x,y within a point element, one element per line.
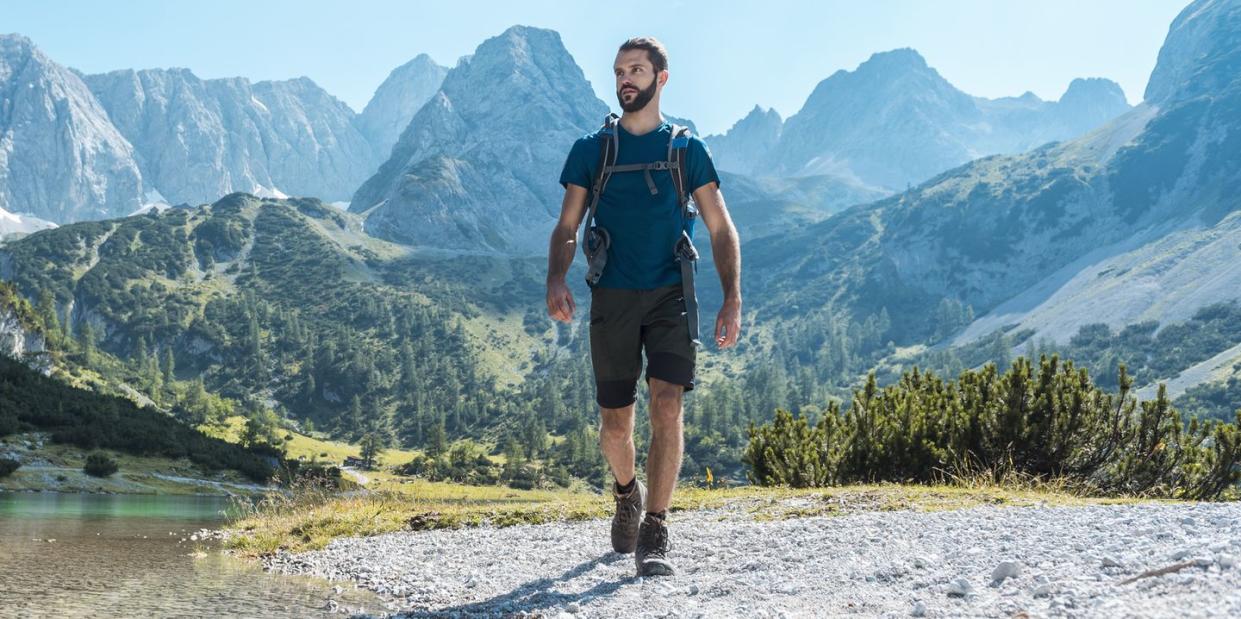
<point>636,80</point>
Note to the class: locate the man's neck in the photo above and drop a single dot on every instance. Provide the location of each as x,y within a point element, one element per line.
<point>642,121</point>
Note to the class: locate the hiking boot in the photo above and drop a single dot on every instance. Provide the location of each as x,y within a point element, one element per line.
<point>651,555</point>
<point>627,517</point>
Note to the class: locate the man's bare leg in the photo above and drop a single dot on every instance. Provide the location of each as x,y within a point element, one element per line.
<point>663,463</point>
<point>616,441</point>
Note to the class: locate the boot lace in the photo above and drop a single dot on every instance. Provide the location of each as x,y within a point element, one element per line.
<point>655,538</point>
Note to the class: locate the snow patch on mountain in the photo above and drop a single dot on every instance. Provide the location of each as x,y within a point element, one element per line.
<point>14,223</point>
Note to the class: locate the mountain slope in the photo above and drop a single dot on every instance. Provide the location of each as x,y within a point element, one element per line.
<point>60,157</point>
<point>288,303</point>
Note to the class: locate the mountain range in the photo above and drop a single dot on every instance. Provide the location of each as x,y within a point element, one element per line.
<point>79,146</point>
<point>471,172</point>
<point>475,172</point>
<point>1043,221</point>
<point>894,121</point>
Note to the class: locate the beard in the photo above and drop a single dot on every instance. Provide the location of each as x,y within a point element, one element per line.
<point>640,100</point>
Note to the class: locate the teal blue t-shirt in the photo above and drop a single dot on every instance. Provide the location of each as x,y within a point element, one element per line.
<point>644,228</point>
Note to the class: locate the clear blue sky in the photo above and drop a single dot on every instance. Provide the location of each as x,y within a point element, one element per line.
<point>726,56</point>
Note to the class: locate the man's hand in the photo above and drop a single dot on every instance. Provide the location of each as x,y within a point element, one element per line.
<point>728,324</point>
<point>560,304</point>
<point>726,250</point>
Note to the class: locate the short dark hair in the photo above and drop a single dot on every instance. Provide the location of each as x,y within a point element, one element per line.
<point>655,51</point>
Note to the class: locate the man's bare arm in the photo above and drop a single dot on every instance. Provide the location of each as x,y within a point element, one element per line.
<point>726,249</point>
<point>560,252</point>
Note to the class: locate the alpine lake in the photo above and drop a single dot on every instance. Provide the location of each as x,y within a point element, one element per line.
<point>127,555</point>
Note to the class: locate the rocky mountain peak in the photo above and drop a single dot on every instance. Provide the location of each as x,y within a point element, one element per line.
<point>12,41</point>
<point>476,167</point>
<point>400,96</point>
<point>1093,90</point>
<point>748,142</point>
<point>902,59</point>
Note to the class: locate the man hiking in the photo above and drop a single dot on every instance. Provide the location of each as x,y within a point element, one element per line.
<point>632,181</point>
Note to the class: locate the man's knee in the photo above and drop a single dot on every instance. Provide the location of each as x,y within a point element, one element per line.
<point>665,402</point>
<point>616,425</point>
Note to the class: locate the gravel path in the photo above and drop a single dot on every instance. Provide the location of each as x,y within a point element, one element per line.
<point>1091,561</point>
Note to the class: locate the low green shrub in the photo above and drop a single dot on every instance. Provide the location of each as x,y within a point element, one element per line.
<point>99,465</point>
<point>1048,422</point>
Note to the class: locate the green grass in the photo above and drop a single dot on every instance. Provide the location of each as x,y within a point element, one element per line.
<point>309,447</point>
<point>309,518</point>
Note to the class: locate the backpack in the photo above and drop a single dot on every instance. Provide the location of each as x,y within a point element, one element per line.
<point>595,239</point>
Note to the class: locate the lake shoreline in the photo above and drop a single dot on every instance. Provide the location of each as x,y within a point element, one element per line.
<point>51,467</point>
<point>106,492</point>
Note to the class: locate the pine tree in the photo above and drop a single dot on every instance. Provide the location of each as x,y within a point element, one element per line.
<point>196,402</point>
<point>437,439</point>
<point>170,371</point>
<point>254,347</point>
<point>46,310</point>
<point>514,459</point>
<point>86,343</point>
<point>355,416</point>
<point>372,445</point>
<point>309,388</point>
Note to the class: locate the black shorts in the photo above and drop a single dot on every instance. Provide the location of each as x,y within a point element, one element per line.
<point>622,323</point>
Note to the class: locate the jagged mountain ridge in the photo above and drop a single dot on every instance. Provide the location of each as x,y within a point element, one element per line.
<point>78,147</point>
<point>894,121</point>
<point>477,172</point>
<point>200,139</point>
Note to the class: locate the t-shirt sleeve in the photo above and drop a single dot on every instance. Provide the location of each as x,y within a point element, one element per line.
<point>577,166</point>
<point>700,166</point>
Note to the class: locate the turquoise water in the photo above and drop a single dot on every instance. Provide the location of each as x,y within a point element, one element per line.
<point>70,555</point>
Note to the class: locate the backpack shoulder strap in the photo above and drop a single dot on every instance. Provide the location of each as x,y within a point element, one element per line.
<point>678,144</point>
<point>608,149</point>
<point>595,241</point>
<point>684,251</point>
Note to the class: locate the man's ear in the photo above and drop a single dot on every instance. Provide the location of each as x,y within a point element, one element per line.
<point>662,77</point>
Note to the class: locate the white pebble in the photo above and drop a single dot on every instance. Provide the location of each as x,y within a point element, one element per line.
<point>960,587</point>
<point>1006,569</point>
